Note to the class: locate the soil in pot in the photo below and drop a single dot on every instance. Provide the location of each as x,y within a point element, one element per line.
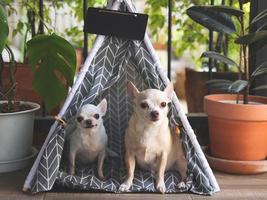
<point>16,107</point>
<point>237,131</point>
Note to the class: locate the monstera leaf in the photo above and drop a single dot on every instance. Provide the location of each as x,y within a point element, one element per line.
<point>213,19</point>
<point>53,62</point>
<point>4,28</point>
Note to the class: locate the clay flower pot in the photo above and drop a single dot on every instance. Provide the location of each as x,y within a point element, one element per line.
<point>237,131</point>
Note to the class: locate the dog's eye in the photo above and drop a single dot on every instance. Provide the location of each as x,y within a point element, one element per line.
<point>79,119</point>
<point>163,104</point>
<point>144,105</point>
<point>96,116</point>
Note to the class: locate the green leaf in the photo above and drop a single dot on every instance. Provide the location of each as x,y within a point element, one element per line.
<point>4,28</point>
<point>238,86</point>
<point>258,17</point>
<point>262,26</point>
<point>227,10</point>
<point>262,87</point>
<point>51,58</point>
<point>211,19</point>
<point>252,37</point>
<point>219,57</point>
<point>263,66</point>
<point>219,84</point>
<point>260,72</point>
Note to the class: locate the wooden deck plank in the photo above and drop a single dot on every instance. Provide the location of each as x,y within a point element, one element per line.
<point>11,184</point>
<point>232,187</point>
<point>108,196</point>
<point>235,194</point>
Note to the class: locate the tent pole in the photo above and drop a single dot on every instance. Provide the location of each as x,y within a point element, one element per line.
<point>169,37</point>
<point>85,35</point>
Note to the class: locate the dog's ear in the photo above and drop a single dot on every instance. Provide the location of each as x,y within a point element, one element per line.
<point>132,90</point>
<point>169,90</point>
<point>103,107</point>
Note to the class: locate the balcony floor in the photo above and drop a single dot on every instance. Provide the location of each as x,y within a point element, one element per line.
<point>232,187</point>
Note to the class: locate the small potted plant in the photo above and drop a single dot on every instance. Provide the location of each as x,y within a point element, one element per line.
<point>51,59</point>
<point>237,121</point>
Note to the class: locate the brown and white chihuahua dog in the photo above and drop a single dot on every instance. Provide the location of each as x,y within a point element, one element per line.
<point>149,141</point>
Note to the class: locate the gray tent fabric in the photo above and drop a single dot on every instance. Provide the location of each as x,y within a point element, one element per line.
<point>115,62</point>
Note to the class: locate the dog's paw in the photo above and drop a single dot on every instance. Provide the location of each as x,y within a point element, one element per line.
<point>125,187</point>
<point>102,178</point>
<point>161,187</point>
<point>72,172</point>
<point>181,185</point>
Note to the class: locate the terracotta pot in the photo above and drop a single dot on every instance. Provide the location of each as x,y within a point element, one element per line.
<point>237,131</point>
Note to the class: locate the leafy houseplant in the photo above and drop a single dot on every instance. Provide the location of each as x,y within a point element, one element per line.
<point>237,131</point>
<point>52,59</point>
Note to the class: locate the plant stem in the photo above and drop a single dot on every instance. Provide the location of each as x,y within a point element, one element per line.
<point>11,92</point>
<point>243,55</point>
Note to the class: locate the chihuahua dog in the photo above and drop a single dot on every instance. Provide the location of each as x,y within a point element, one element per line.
<point>89,141</point>
<point>148,138</point>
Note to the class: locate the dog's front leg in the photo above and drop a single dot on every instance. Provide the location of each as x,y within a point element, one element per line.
<point>130,165</point>
<point>72,157</point>
<point>100,163</point>
<point>161,171</point>
<point>181,165</point>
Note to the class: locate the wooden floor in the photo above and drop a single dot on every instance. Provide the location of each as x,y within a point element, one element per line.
<point>232,187</point>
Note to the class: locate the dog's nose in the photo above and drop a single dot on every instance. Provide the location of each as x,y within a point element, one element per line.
<point>88,122</point>
<point>154,114</point>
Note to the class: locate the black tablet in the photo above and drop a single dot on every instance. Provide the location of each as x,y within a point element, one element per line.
<point>115,23</point>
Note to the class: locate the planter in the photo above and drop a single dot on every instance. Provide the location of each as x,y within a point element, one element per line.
<point>16,135</point>
<point>237,131</point>
<point>236,166</point>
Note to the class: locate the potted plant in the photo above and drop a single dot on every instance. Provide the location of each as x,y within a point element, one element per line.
<point>51,59</point>
<point>237,121</point>
<point>26,24</point>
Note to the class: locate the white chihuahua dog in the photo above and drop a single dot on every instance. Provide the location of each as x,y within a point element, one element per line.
<point>148,138</point>
<point>89,141</point>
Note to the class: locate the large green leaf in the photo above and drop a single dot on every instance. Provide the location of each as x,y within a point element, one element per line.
<point>3,28</point>
<point>252,37</point>
<point>211,19</point>
<point>50,58</point>
<point>260,70</point>
<point>258,17</point>
<point>227,10</point>
<point>219,84</point>
<point>219,57</point>
<point>238,86</point>
<point>262,87</point>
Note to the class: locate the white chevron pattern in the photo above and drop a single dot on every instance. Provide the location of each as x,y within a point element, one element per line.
<point>116,62</point>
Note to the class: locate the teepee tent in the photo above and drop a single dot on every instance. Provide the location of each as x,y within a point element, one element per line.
<point>111,63</point>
